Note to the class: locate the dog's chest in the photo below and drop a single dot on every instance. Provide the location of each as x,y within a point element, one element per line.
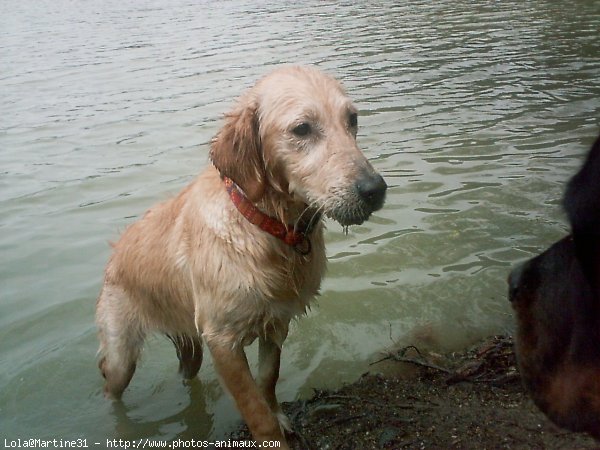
<point>292,277</point>
<point>259,294</point>
<point>263,266</point>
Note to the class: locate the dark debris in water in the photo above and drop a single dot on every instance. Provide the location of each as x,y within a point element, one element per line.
<point>492,362</point>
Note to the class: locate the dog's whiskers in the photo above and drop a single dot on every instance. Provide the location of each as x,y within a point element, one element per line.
<point>316,213</point>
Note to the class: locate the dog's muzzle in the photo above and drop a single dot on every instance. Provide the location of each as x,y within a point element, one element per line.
<point>354,206</point>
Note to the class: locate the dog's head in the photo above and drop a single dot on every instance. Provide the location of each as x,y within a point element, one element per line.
<point>557,303</point>
<point>294,133</point>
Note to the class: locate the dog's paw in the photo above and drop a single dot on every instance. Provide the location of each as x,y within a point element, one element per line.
<point>284,422</point>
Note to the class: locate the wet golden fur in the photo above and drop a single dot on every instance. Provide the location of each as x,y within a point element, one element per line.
<point>196,270</point>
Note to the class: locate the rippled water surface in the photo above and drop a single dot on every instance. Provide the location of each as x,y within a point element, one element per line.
<point>475,112</point>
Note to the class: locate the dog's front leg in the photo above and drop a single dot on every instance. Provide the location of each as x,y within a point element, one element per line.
<point>269,354</point>
<point>232,366</point>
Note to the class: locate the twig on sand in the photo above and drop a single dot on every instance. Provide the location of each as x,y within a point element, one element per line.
<point>399,356</point>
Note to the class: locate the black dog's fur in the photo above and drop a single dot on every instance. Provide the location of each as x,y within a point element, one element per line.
<point>556,297</point>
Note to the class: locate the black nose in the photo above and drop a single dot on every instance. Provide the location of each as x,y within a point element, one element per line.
<point>514,280</point>
<point>371,189</point>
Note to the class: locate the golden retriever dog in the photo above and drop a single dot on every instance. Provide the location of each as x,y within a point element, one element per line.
<point>240,252</point>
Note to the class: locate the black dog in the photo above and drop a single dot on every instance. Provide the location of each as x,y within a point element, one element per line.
<point>556,297</point>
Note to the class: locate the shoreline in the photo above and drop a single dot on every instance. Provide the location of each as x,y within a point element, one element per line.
<point>472,399</point>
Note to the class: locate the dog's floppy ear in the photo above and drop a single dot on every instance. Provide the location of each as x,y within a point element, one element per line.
<point>236,150</point>
<point>582,203</point>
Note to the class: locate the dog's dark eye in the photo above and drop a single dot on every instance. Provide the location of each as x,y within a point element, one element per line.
<point>353,120</point>
<point>302,130</point>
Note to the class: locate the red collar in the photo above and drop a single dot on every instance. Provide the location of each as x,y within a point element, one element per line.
<point>289,234</point>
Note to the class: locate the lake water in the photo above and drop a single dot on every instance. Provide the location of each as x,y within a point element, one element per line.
<point>476,113</point>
